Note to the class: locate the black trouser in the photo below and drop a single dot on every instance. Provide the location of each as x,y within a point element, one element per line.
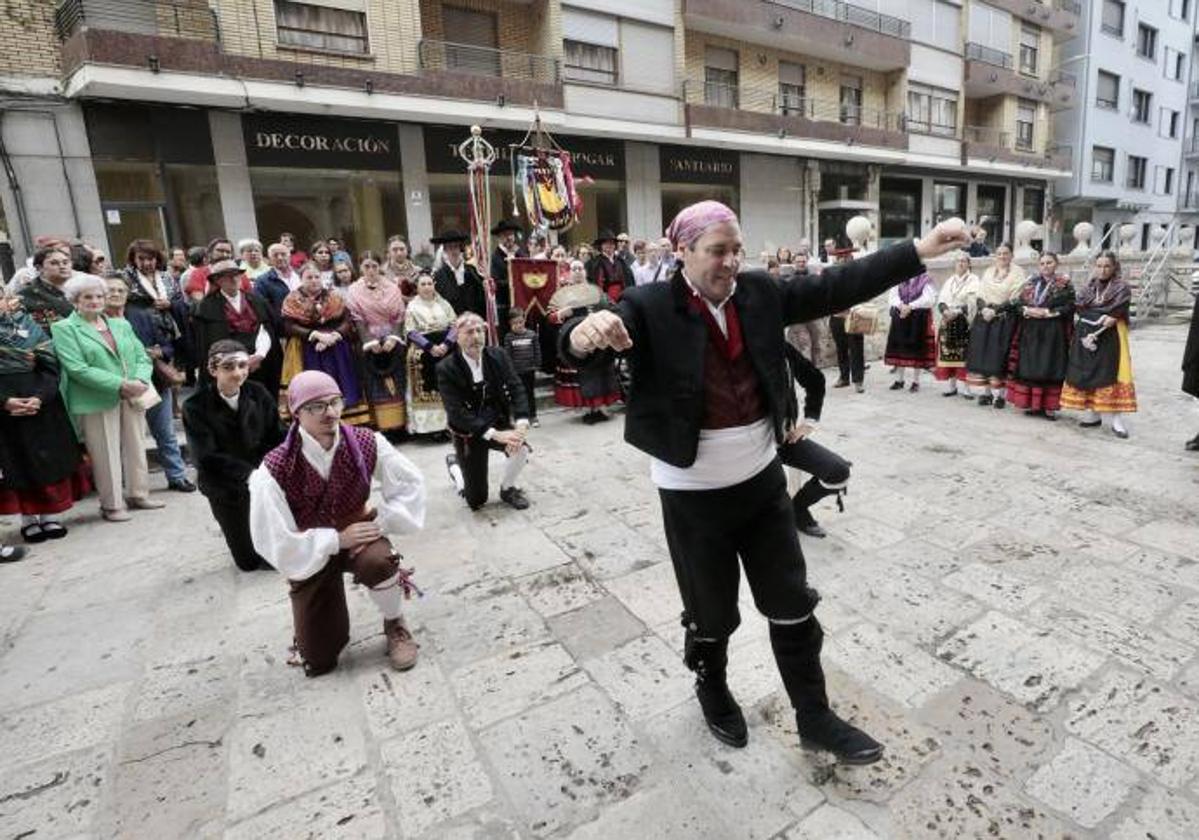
<point>231,510</point>
<point>528,379</point>
<point>472,454</point>
<point>708,531</point>
<point>851,351</point>
<point>829,471</point>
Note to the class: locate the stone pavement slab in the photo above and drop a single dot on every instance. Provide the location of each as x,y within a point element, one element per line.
<point>1012,607</point>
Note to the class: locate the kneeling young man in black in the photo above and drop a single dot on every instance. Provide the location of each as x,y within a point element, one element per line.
<point>707,402</point>
<point>231,423</point>
<point>483,396</point>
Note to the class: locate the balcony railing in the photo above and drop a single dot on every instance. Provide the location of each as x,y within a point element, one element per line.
<point>485,61</point>
<point>767,101</point>
<point>854,15</point>
<point>194,19</point>
<point>988,55</point>
<point>1017,145</point>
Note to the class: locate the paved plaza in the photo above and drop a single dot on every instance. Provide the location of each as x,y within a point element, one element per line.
<point>1011,605</point>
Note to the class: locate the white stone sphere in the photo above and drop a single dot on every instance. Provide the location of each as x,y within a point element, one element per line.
<point>858,229</point>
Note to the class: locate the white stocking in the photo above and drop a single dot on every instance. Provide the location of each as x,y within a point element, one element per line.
<point>512,468</point>
<point>389,597</point>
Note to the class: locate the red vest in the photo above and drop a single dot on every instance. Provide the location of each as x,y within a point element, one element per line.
<point>732,394</point>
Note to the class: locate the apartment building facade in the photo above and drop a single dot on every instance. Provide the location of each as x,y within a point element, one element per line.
<point>1132,126</point>
<point>179,120</point>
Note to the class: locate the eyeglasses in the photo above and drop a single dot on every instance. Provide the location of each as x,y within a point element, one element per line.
<point>322,406</point>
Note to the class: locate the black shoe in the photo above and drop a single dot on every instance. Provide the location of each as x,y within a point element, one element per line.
<point>181,486</point>
<point>601,417</point>
<point>1051,416</point>
<point>914,387</point>
<point>1000,402</point>
<point>53,530</point>
<point>721,712</point>
<point>33,533</point>
<point>514,497</point>
<point>986,399</point>
<point>1090,424</point>
<point>841,383</point>
<point>11,553</point>
<point>826,731</point>
<point>1120,433</point>
<point>896,386</point>
<point>591,418</point>
<point>1033,412</point>
<point>953,393</point>
<point>813,530</point>
<point>1193,444</point>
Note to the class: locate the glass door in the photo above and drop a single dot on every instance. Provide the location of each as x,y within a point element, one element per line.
<point>125,223</point>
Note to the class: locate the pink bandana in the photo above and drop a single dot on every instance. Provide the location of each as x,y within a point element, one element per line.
<point>691,222</point>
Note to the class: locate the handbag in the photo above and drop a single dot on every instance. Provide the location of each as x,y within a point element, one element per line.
<point>147,399</point>
<point>862,319</point>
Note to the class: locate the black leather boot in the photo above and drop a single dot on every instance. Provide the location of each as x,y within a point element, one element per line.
<point>808,495</point>
<point>709,659</point>
<point>797,651</point>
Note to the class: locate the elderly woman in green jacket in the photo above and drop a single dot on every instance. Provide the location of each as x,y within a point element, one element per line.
<point>105,379</point>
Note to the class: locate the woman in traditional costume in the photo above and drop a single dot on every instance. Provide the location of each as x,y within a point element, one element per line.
<point>1042,344</point>
<point>343,277</point>
<point>377,306</point>
<point>1190,368</point>
<point>910,341</point>
<point>322,257</point>
<point>320,336</point>
<point>40,469</point>
<point>597,385</point>
<point>993,327</point>
<point>429,326</point>
<point>1099,375</point>
<point>955,311</point>
<point>400,268</point>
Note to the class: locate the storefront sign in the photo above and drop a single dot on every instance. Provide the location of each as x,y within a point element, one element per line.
<point>602,160</point>
<point>316,143</point>
<point>694,165</point>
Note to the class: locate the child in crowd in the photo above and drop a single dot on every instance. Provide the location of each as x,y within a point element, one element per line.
<point>524,348</point>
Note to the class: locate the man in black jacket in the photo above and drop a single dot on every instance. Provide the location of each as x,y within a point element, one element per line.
<point>228,312</point>
<point>708,402</point>
<point>506,248</point>
<point>457,280</point>
<point>483,397</point>
<point>231,423</point>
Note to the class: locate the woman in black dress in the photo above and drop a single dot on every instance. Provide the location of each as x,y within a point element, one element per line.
<point>40,473</point>
<point>1190,368</point>
<point>1041,348</point>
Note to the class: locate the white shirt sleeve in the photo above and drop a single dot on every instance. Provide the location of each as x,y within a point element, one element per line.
<point>928,296</point>
<point>403,490</point>
<point>262,346</point>
<point>893,300</point>
<point>297,554</point>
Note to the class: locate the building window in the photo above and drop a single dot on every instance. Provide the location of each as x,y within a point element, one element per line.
<point>851,100</point>
<point>792,86</point>
<point>589,62</point>
<point>936,22</point>
<point>932,110</point>
<point>1034,204</point>
<point>320,27</point>
<point>1142,101</point>
<point>1026,117</point>
<point>1175,64</point>
<point>1168,181</point>
<point>475,47</point>
<point>1030,44</point>
<point>1180,9</point>
<point>1146,42</point>
<point>1113,18</point>
<point>1107,91</point>
<point>1168,120</point>
<point>1103,164</point>
<point>721,78</point>
<point>1136,172</point>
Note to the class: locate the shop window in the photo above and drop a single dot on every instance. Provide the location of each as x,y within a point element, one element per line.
<point>1103,164</point>
<point>899,203</point>
<point>932,110</point>
<point>676,196</point>
<point>1026,117</point>
<point>949,200</point>
<point>851,100</point>
<point>589,63</point>
<point>1030,46</point>
<point>1113,18</point>
<point>321,27</point>
<point>843,181</point>
<point>1135,177</point>
<point>721,78</point>
<point>1033,204</point>
<point>1107,90</point>
<point>792,88</point>
<point>1146,42</point>
<point>992,212</point>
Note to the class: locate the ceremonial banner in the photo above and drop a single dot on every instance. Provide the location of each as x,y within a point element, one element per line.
<point>534,282</point>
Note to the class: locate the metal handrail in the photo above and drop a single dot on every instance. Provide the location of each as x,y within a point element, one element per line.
<point>488,61</point>
<point>989,136</point>
<point>854,15</point>
<point>988,55</point>
<point>1146,299</point>
<point>765,100</point>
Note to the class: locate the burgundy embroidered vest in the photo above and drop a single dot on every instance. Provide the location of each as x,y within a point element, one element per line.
<point>732,396</point>
<point>316,502</point>
<point>244,322</point>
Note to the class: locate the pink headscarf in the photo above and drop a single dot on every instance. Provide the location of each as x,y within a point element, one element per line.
<point>691,222</point>
<point>308,386</point>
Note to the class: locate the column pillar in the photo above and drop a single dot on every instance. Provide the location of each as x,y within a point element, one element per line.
<point>417,209</point>
<point>233,175</point>
<point>643,190</point>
